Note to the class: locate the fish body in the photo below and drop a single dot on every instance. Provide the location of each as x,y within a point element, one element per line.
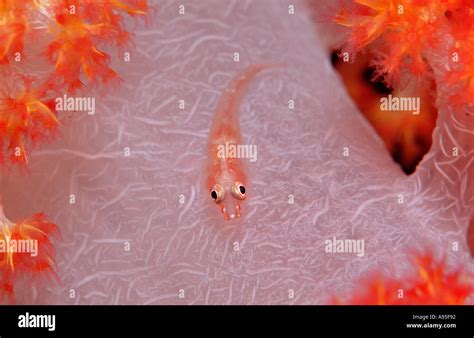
<point>227,179</point>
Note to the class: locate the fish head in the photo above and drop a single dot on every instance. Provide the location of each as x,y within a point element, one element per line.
<point>228,191</point>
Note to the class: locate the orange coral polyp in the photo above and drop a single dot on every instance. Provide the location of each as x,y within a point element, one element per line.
<point>131,7</point>
<point>73,50</point>
<point>72,45</point>
<point>27,116</point>
<point>406,31</point>
<point>40,263</point>
<point>76,31</point>
<point>13,27</point>
<point>432,284</point>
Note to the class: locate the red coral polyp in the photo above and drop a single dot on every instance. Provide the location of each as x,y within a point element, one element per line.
<point>74,45</point>
<point>7,293</point>
<point>78,29</point>
<point>13,27</point>
<point>405,33</point>
<point>26,117</point>
<point>108,7</point>
<point>28,251</point>
<point>431,284</point>
<point>74,51</point>
<point>41,231</point>
<point>77,32</point>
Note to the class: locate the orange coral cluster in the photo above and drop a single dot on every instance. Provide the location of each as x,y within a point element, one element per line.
<point>76,31</point>
<point>26,116</point>
<point>18,256</point>
<point>461,75</point>
<point>13,27</point>
<point>432,285</point>
<point>79,28</point>
<point>406,31</point>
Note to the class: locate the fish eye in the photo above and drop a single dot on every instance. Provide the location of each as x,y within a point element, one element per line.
<point>217,194</point>
<point>239,191</point>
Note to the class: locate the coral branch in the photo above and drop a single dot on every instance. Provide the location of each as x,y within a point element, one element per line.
<point>78,29</point>
<point>405,33</point>
<point>37,229</point>
<point>75,43</point>
<point>432,284</point>
<point>13,27</point>
<point>26,252</point>
<point>73,49</point>
<point>26,116</point>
